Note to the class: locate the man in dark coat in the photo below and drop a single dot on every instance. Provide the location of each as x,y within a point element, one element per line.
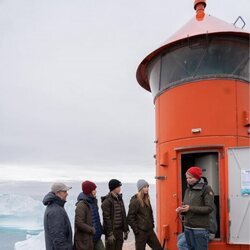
<point>88,228</point>
<point>213,227</point>
<point>57,227</point>
<point>197,205</point>
<point>114,217</point>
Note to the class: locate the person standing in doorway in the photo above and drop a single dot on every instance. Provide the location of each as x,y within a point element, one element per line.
<point>88,228</point>
<point>141,220</point>
<point>114,217</point>
<point>57,227</point>
<point>213,227</point>
<point>197,205</point>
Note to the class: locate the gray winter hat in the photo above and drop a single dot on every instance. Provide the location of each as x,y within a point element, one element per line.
<point>141,183</point>
<point>58,186</point>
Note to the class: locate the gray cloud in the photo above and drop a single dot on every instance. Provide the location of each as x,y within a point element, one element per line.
<point>68,92</point>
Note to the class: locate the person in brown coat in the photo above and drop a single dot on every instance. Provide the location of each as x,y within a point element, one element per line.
<point>114,217</point>
<point>88,228</point>
<point>141,220</point>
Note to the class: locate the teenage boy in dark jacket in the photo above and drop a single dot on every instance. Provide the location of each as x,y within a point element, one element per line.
<point>198,204</point>
<point>57,227</point>
<point>88,228</point>
<point>114,217</point>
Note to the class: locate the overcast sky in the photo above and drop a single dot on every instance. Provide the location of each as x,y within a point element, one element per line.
<point>70,105</point>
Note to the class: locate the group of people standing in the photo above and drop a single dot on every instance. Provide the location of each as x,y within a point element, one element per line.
<point>88,227</point>
<point>197,211</point>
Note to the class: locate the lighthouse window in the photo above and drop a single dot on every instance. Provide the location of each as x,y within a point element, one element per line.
<point>213,57</point>
<point>154,76</point>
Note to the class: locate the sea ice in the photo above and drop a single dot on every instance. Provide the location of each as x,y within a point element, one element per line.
<point>33,242</point>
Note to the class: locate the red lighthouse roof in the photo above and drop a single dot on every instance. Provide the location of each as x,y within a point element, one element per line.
<point>200,24</point>
<point>207,25</point>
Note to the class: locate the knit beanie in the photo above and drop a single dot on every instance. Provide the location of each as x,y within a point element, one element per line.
<point>196,172</point>
<point>88,187</point>
<point>113,184</point>
<point>141,183</point>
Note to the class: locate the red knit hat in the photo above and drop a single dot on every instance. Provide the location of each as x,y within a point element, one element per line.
<point>88,187</point>
<point>196,172</point>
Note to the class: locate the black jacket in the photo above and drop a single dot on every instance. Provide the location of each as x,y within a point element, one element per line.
<point>57,227</point>
<point>114,214</point>
<point>140,218</point>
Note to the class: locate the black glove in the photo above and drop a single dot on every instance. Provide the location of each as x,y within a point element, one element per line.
<point>125,235</point>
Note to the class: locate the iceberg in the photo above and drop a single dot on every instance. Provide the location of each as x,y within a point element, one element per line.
<point>32,242</point>
<point>21,212</point>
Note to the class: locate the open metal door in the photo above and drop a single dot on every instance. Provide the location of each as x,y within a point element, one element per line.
<point>239,195</point>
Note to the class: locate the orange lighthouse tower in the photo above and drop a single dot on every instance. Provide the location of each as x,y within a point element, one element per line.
<point>200,83</point>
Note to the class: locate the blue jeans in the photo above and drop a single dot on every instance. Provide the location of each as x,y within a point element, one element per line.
<point>197,239</point>
<point>181,242</point>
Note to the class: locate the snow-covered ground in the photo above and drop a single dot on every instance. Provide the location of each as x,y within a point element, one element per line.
<point>37,242</point>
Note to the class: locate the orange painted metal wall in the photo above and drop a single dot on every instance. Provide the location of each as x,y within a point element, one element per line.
<point>220,108</point>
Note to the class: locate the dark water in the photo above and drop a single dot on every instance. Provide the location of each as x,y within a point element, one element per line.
<point>37,190</point>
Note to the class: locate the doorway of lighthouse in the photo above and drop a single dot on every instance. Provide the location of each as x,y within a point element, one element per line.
<point>208,162</point>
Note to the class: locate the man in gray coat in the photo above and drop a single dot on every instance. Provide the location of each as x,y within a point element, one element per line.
<point>57,227</point>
